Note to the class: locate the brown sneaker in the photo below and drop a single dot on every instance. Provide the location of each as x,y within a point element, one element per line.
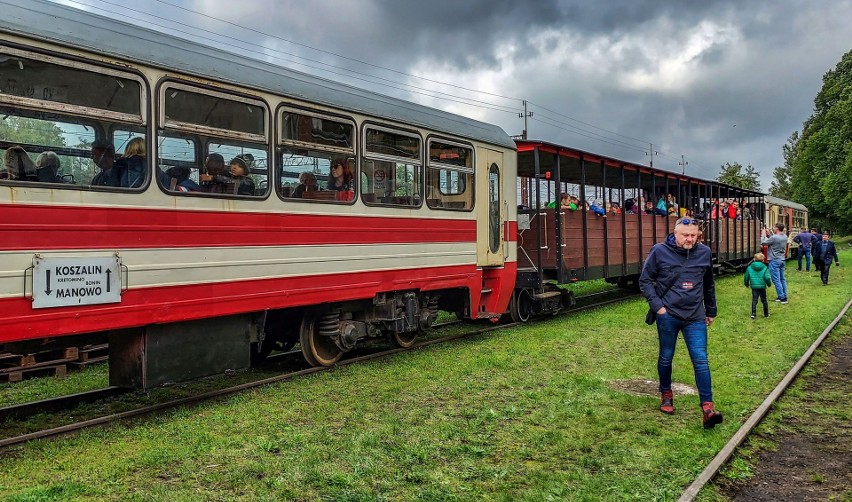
<point>710,416</point>
<point>667,402</point>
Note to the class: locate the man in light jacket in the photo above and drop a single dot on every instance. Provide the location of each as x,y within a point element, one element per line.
<point>776,253</point>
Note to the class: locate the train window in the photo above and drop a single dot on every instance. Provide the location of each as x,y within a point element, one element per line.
<point>48,82</point>
<point>391,168</point>
<point>316,158</point>
<point>449,176</point>
<point>494,219</point>
<point>64,122</point>
<point>297,128</point>
<point>212,112</point>
<point>211,143</point>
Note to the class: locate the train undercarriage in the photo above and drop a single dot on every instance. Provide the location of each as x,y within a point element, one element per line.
<point>326,332</point>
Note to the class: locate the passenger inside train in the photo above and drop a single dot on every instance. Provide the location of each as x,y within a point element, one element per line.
<point>17,165</point>
<point>307,184</point>
<point>103,154</point>
<point>132,164</point>
<point>240,169</point>
<point>48,164</point>
<point>213,179</point>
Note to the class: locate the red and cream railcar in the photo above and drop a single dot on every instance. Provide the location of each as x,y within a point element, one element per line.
<point>345,215</point>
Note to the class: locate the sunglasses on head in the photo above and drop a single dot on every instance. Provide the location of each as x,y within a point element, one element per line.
<point>688,221</point>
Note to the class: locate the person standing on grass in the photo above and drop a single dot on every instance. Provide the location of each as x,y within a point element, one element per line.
<point>677,280</point>
<point>804,240</point>
<point>777,255</point>
<point>757,278</point>
<point>826,251</point>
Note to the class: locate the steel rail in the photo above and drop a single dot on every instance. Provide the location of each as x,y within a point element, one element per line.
<point>722,457</point>
<point>26,410</point>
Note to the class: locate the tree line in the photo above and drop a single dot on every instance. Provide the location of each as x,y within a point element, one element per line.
<point>817,170</point>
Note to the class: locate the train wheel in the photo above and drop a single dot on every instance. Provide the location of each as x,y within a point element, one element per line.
<point>520,307</point>
<point>318,349</point>
<point>404,340</point>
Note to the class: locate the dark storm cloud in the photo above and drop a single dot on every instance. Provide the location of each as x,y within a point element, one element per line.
<point>717,81</point>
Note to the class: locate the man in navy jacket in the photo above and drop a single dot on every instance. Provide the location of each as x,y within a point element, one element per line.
<point>826,251</point>
<point>677,280</point>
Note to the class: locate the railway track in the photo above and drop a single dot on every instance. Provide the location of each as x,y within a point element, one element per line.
<point>64,403</point>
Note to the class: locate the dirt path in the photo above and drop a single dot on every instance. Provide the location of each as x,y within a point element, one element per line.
<point>809,456</point>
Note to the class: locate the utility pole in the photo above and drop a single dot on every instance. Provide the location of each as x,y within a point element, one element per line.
<point>652,153</point>
<point>524,116</point>
<point>683,163</point>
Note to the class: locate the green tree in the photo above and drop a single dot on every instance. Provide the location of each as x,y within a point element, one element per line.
<point>783,175</point>
<point>822,167</point>
<point>732,174</point>
<point>26,131</point>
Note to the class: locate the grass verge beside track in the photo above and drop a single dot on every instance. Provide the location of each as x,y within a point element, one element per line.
<point>522,413</point>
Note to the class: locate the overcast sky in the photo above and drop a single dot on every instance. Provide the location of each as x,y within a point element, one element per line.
<point>715,81</point>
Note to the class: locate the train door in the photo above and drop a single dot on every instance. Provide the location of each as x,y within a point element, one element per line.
<point>491,209</point>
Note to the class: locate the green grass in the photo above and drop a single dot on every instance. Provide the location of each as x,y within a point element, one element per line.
<point>525,413</point>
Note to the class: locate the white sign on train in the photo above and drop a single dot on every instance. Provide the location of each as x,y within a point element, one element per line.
<point>64,282</point>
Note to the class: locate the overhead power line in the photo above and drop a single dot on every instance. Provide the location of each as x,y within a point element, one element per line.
<point>376,79</point>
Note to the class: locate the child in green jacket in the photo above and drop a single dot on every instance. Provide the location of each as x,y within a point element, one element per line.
<point>757,278</point>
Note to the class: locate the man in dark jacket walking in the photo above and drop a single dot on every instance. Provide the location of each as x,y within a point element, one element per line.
<point>677,280</point>
<point>826,251</point>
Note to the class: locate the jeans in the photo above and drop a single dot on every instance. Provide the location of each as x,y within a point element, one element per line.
<point>807,254</point>
<point>695,336</point>
<point>826,267</point>
<point>759,294</point>
<point>779,279</point>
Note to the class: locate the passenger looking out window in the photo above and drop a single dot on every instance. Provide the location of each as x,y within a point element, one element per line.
<point>240,169</point>
<point>340,179</point>
<point>307,183</point>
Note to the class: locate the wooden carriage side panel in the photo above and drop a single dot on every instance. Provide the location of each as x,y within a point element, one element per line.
<point>528,242</point>
<point>572,233</point>
<point>615,243</point>
<point>631,233</point>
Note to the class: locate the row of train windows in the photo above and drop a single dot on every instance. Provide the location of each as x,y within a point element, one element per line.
<point>84,126</point>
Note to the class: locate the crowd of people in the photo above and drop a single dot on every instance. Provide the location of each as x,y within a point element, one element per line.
<point>129,170</point>
<point>666,205</point>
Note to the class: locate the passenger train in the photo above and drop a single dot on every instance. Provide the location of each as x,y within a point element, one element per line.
<point>200,208</point>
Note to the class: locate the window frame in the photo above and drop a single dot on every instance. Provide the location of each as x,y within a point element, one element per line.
<point>281,144</point>
<point>204,134</point>
<point>83,114</point>
<point>164,123</point>
<point>438,166</point>
<point>366,155</point>
<point>78,110</point>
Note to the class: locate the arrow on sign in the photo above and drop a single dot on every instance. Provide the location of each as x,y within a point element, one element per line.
<point>47,291</point>
<point>108,274</point>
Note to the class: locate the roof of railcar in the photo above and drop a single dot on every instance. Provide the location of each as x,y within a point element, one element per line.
<point>48,21</point>
<point>784,202</point>
<point>529,145</point>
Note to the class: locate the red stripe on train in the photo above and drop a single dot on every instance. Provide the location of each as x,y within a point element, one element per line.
<point>140,307</point>
<point>52,227</point>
